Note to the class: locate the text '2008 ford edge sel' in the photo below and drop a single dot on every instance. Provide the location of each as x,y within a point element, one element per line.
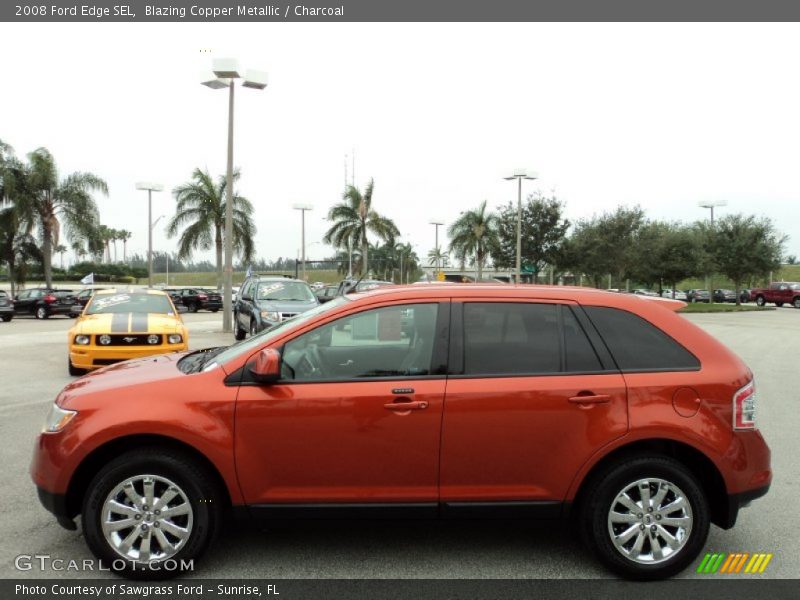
<point>470,401</point>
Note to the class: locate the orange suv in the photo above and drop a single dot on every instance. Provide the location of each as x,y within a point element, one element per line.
<point>451,402</point>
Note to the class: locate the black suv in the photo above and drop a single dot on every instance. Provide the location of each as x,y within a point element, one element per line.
<point>264,301</point>
<point>44,302</point>
<point>82,299</point>
<point>352,286</point>
<point>195,299</point>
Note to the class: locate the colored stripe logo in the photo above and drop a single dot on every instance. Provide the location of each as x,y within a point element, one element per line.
<point>734,563</point>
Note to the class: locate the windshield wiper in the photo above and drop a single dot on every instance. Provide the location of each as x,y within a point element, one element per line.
<point>195,361</point>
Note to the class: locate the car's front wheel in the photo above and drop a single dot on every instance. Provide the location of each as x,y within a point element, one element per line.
<point>645,517</point>
<point>760,300</point>
<point>41,313</point>
<point>150,513</point>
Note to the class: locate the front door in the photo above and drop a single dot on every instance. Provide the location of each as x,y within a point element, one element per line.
<point>356,418</point>
<point>529,400</point>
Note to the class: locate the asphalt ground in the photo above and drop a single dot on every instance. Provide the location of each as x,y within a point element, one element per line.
<point>33,369</point>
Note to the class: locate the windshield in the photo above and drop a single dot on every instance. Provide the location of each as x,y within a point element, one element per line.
<point>284,291</point>
<point>128,303</point>
<point>251,343</point>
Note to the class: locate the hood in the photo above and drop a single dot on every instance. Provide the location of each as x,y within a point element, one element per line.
<point>287,306</point>
<point>128,323</point>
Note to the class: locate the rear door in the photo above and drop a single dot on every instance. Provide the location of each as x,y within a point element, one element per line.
<point>531,396</point>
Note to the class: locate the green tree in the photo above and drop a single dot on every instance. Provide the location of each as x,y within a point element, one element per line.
<point>438,257</point>
<point>17,246</point>
<point>409,261</point>
<point>54,204</point>
<point>746,246</point>
<point>123,236</point>
<point>200,212</point>
<point>353,217</point>
<point>664,253</point>
<point>544,230</point>
<point>473,235</point>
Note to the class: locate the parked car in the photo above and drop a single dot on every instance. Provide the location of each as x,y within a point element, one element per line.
<point>116,326</point>
<point>495,401</point>
<point>644,292</point>
<point>267,301</point>
<point>43,303</point>
<point>745,295</point>
<point>778,293</point>
<point>6,307</point>
<point>352,286</point>
<point>674,294</point>
<point>82,299</point>
<point>326,293</point>
<point>724,296</point>
<point>195,299</point>
<point>698,296</point>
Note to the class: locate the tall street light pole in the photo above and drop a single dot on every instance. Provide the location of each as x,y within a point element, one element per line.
<point>150,187</point>
<point>226,71</point>
<point>711,204</point>
<point>519,175</point>
<point>437,224</point>
<point>303,208</point>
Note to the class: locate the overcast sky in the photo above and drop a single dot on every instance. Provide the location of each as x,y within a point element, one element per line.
<point>660,115</point>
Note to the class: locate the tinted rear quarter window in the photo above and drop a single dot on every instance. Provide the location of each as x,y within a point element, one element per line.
<point>638,345</point>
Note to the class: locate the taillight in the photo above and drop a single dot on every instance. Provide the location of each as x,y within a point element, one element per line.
<point>202,297</point>
<point>744,408</point>
<point>49,298</point>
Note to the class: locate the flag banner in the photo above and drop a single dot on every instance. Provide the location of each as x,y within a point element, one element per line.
<point>88,280</point>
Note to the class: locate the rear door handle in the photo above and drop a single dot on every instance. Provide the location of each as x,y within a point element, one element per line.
<point>590,399</point>
<point>406,406</point>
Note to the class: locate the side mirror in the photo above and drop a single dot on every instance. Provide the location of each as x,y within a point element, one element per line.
<point>267,366</point>
<point>247,297</point>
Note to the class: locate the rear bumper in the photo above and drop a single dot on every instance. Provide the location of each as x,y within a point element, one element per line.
<point>739,501</point>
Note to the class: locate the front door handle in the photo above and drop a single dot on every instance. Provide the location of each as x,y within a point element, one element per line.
<point>399,406</point>
<point>589,398</point>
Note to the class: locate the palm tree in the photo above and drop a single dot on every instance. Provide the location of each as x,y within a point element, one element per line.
<point>409,260</point>
<point>79,249</point>
<point>53,204</point>
<point>104,235</point>
<point>438,257</point>
<point>60,249</point>
<point>123,235</point>
<point>353,217</point>
<point>17,245</point>
<point>201,212</point>
<point>472,235</point>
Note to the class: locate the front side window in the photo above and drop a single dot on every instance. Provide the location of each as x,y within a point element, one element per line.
<point>637,345</point>
<point>393,341</point>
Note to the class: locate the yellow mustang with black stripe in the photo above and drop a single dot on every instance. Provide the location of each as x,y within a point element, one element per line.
<point>120,325</point>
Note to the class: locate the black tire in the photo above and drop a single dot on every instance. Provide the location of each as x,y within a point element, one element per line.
<point>41,313</point>
<point>601,497</point>
<point>779,304</point>
<point>192,307</point>
<point>7,318</point>
<point>238,333</point>
<point>796,302</point>
<point>760,301</point>
<point>214,309</point>
<point>192,479</point>
<point>73,370</point>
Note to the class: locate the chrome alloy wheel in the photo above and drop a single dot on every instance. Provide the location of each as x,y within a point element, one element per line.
<point>147,518</point>
<point>650,521</point>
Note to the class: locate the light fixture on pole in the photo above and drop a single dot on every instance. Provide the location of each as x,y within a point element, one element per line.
<point>150,187</point>
<point>303,208</point>
<point>437,224</point>
<point>226,71</point>
<point>711,205</point>
<point>519,175</point>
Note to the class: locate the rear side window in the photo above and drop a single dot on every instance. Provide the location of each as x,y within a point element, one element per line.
<point>638,345</point>
<point>511,338</point>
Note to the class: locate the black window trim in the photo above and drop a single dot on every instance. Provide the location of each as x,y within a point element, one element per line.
<point>439,356</point>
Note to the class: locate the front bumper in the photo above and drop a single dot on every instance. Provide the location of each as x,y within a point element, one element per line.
<point>95,357</point>
<point>56,504</point>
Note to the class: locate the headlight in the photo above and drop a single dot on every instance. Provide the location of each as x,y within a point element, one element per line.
<point>82,340</point>
<point>270,315</point>
<point>175,338</point>
<point>153,339</point>
<point>105,340</point>
<point>57,419</point>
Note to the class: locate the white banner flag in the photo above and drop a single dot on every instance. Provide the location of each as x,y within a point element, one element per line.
<point>88,280</point>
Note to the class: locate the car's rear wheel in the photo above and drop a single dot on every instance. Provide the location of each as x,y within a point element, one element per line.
<point>192,306</point>
<point>73,370</point>
<point>7,318</point>
<point>796,302</point>
<point>760,300</point>
<point>149,513</point>
<point>646,517</point>
<point>41,313</point>
<point>238,332</point>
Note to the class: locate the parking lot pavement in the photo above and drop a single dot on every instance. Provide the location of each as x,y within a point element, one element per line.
<point>33,366</point>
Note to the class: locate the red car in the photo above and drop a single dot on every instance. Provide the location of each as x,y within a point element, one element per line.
<point>778,293</point>
<point>453,402</point>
